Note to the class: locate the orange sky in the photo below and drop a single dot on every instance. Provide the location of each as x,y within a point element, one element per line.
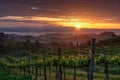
<point>59,21</point>
<point>67,13</point>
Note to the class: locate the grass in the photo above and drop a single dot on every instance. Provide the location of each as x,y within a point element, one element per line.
<point>6,76</point>
<point>3,75</point>
<point>81,75</point>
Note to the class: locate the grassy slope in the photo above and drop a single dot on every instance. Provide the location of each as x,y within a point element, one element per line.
<point>111,46</point>
<point>3,75</point>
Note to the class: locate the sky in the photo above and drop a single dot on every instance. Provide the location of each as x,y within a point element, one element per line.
<point>68,13</point>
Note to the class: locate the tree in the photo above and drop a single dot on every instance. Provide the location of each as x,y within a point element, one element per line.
<point>27,46</point>
<point>36,46</point>
<point>2,38</point>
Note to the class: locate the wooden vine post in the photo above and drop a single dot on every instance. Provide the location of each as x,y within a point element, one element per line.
<point>59,67</point>
<point>56,71</point>
<point>50,70</point>
<point>91,69</point>
<point>64,72</point>
<point>40,69</point>
<point>44,61</point>
<point>106,67</point>
<point>16,67</point>
<point>36,69</point>
<point>20,70</point>
<point>29,68</point>
<point>24,69</point>
<point>74,76</point>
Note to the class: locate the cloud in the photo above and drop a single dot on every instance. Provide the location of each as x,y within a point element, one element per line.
<point>33,20</point>
<point>35,8</point>
<point>94,8</point>
<point>37,18</point>
<point>17,24</point>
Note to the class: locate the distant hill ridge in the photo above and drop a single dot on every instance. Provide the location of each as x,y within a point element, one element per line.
<point>55,29</point>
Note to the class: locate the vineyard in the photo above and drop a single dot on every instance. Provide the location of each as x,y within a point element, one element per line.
<point>61,66</point>
<point>59,39</point>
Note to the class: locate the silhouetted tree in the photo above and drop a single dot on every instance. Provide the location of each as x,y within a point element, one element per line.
<point>36,46</point>
<point>27,46</point>
<point>2,38</point>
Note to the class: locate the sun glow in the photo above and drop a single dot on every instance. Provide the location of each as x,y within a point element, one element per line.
<point>78,26</point>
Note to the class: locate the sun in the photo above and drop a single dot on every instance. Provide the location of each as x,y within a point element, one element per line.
<point>78,26</point>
